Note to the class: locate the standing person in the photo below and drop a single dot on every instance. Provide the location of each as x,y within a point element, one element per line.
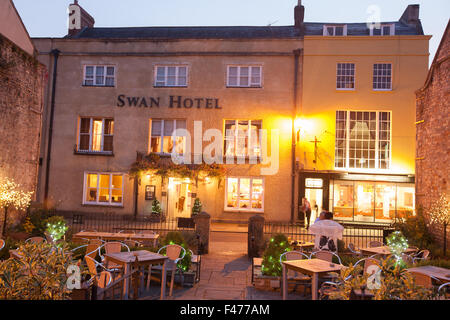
<point>307,210</point>
<point>301,212</point>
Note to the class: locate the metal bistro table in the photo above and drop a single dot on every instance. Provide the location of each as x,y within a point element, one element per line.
<point>312,267</point>
<point>117,236</point>
<point>437,272</point>
<point>383,251</point>
<point>144,258</point>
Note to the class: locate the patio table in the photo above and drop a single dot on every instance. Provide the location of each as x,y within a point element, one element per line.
<point>383,251</point>
<point>437,272</point>
<point>117,236</point>
<point>144,258</point>
<point>312,267</point>
<point>300,245</point>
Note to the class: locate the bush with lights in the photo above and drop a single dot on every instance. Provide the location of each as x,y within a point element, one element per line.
<point>271,265</point>
<point>397,243</point>
<point>56,227</point>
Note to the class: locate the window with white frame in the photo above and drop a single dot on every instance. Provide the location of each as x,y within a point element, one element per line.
<point>382,76</point>
<point>242,138</point>
<point>363,139</point>
<point>383,30</point>
<point>244,76</point>
<point>95,135</point>
<point>171,76</point>
<point>345,76</point>
<point>244,194</point>
<point>162,139</point>
<point>99,76</point>
<point>103,188</point>
<point>335,30</point>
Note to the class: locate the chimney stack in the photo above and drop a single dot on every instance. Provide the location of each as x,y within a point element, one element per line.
<point>411,17</point>
<point>79,19</point>
<point>299,15</point>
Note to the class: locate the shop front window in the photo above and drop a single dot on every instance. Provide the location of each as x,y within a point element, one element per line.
<point>364,201</point>
<point>343,200</point>
<point>405,200</point>
<point>384,202</point>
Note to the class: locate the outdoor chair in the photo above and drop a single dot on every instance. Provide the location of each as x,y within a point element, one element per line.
<point>132,243</point>
<point>2,244</point>
<point>369,261</point>
<point>36,240</point>
<point>325,255</point>
<point>374,244</point>
<point>175,253</point>
<point>196,260</point>
<point>354,250</point>
<point>91,248</point>
<point>295,277</point>
<point>101,280</point>
<point>443,290</point>
<point>421,255</point>
<point>112,247</point>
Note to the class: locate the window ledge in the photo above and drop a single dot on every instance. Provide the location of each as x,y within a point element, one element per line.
<point>169,86</point>
<point>94,153</point>
<point>239,87</point>
<point>121,206</point>
<point>96,86</point>
<point>242,211</point>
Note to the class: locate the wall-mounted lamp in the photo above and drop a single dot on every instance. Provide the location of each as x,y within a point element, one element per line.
<point>300,126</point>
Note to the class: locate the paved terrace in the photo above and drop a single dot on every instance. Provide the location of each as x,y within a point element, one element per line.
<point>225,274</point>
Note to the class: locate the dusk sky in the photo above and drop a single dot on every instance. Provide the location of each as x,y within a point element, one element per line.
<point>48,18</point>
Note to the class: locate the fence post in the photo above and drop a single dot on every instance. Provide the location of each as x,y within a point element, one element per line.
<point>202,227</point>
<point>255,236</point>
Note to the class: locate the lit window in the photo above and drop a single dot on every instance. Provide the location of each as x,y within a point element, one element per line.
<point>162,139</point>
<point>345,76</point>
<point>99,76</point>
<point>95,135</point>
<point>244,76</point>
<point>244,194</point>
<point>103,188</point>
<point>382,76</point>
<point>242,138</point>
<point>332,30</point>
<point>363,140</point>
<point>171,76</point>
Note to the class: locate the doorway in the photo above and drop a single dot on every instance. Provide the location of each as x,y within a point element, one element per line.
<point>314,196</point>
<point>177,199</point>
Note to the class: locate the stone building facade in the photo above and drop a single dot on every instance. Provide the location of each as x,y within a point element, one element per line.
<point>22,80</point>
<point>433,131</point>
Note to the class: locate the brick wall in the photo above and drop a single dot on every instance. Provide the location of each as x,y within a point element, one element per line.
<point>21,103</point>
<point>432,135</point>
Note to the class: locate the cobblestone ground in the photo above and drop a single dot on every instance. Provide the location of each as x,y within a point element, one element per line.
<point>225,274</point>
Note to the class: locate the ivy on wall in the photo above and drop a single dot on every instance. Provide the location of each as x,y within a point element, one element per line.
<point>165,168</point>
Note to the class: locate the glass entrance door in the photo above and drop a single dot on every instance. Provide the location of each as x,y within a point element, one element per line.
<point>314,196</point>
<point>177,199</point>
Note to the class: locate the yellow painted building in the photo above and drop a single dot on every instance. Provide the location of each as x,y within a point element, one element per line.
<point>356,122</point>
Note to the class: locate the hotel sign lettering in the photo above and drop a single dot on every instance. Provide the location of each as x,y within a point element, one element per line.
<point>171,101</point>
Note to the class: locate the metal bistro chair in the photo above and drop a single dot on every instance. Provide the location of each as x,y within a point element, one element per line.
<point>441,288</point>
<point>112,247</point>
<point>173,251</point>
<point>92,248</point>
<point>36,240</point>
<point>297,277</point>
<point>374,244</point>
<point>355,251</point>
<point>325,255</point>
<point>421,255</point>
<point>101,280</point>
<point>196,260</point>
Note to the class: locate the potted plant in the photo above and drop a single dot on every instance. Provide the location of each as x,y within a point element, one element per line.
<point>196,208</point>
<point>157,214</point>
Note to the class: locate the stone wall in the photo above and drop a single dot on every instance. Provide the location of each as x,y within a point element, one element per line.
<point>432,135</point>
<point>22,80</point>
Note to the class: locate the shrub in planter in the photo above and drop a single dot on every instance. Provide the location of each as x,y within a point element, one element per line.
<point>271,266</point>
<point>197,207</point>
<point>56,227</point>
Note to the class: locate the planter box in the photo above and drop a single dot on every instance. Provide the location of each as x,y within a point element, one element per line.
<point>187,278</point>
<point>262,282</point>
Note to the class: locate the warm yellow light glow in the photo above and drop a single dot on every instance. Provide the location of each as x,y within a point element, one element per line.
<point>303,125</point>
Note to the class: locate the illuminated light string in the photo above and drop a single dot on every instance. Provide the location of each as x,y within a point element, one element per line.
<point>397,244</point>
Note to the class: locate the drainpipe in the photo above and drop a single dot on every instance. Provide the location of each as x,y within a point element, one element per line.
<point>294,141</point>
<point>55,53</point>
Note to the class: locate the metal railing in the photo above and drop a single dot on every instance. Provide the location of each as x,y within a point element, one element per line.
<point>113,222</point>
<point>359,235</point>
